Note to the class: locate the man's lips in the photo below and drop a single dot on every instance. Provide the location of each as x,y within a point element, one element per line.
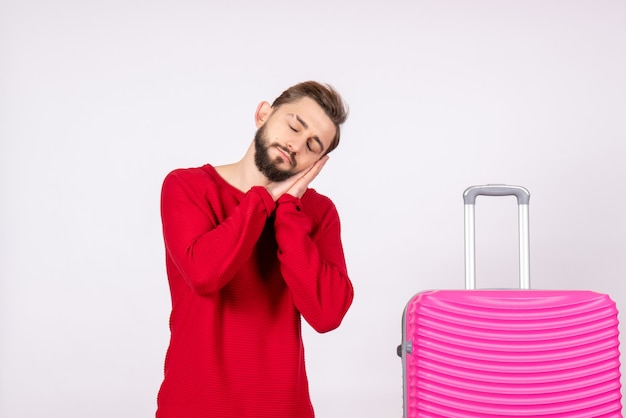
<point>285,155</point>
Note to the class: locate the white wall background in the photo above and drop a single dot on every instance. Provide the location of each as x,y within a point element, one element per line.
<point>100,99</point>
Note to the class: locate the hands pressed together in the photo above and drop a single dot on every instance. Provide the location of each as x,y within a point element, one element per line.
<point>296,185</point>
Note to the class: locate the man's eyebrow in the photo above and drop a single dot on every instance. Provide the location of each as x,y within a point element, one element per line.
<point>306,126</point>
<point>302,122</point>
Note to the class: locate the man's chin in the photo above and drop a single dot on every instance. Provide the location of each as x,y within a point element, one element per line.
<point>277,175</point>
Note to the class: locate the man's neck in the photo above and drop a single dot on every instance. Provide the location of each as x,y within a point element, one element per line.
<point>243,174</point>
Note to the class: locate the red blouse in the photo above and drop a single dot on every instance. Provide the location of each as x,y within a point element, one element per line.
<point>242,269</point>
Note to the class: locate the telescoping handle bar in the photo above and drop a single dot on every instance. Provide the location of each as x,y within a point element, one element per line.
<point>469,198</point>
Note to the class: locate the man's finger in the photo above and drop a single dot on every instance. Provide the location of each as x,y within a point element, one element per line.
<point>300,186</point>
<point>317,167</point>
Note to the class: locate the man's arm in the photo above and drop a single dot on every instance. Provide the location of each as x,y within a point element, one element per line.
<point>312,260</point>
<point>311,253</point>
<point>207,248</point>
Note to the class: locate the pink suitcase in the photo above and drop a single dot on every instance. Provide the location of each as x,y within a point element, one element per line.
<point>509,353</point>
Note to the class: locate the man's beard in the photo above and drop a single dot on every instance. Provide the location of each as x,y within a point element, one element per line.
<point>269,168</point>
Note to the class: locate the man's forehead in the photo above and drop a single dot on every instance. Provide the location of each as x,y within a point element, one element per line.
<point>308,111</point>
<point>310,115</point>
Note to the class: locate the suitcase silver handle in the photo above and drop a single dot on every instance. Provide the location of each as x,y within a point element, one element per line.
<point>469,198</point>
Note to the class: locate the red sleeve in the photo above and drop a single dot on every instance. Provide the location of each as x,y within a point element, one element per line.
<point>208,251</point>
<point>312,261</point>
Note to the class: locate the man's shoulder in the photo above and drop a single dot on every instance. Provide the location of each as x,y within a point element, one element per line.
<point>315,199</point>
<point>201,173</point>
<point>192,180</point>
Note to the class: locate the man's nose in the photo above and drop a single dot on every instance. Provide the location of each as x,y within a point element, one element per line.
<point>295,144</point>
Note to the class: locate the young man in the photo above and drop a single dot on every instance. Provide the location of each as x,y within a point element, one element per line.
<point>249,250</point>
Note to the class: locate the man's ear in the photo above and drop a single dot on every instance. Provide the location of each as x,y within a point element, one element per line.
<point>263,112</point>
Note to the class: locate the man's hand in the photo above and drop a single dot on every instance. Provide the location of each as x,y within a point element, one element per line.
<point>296,185</point>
